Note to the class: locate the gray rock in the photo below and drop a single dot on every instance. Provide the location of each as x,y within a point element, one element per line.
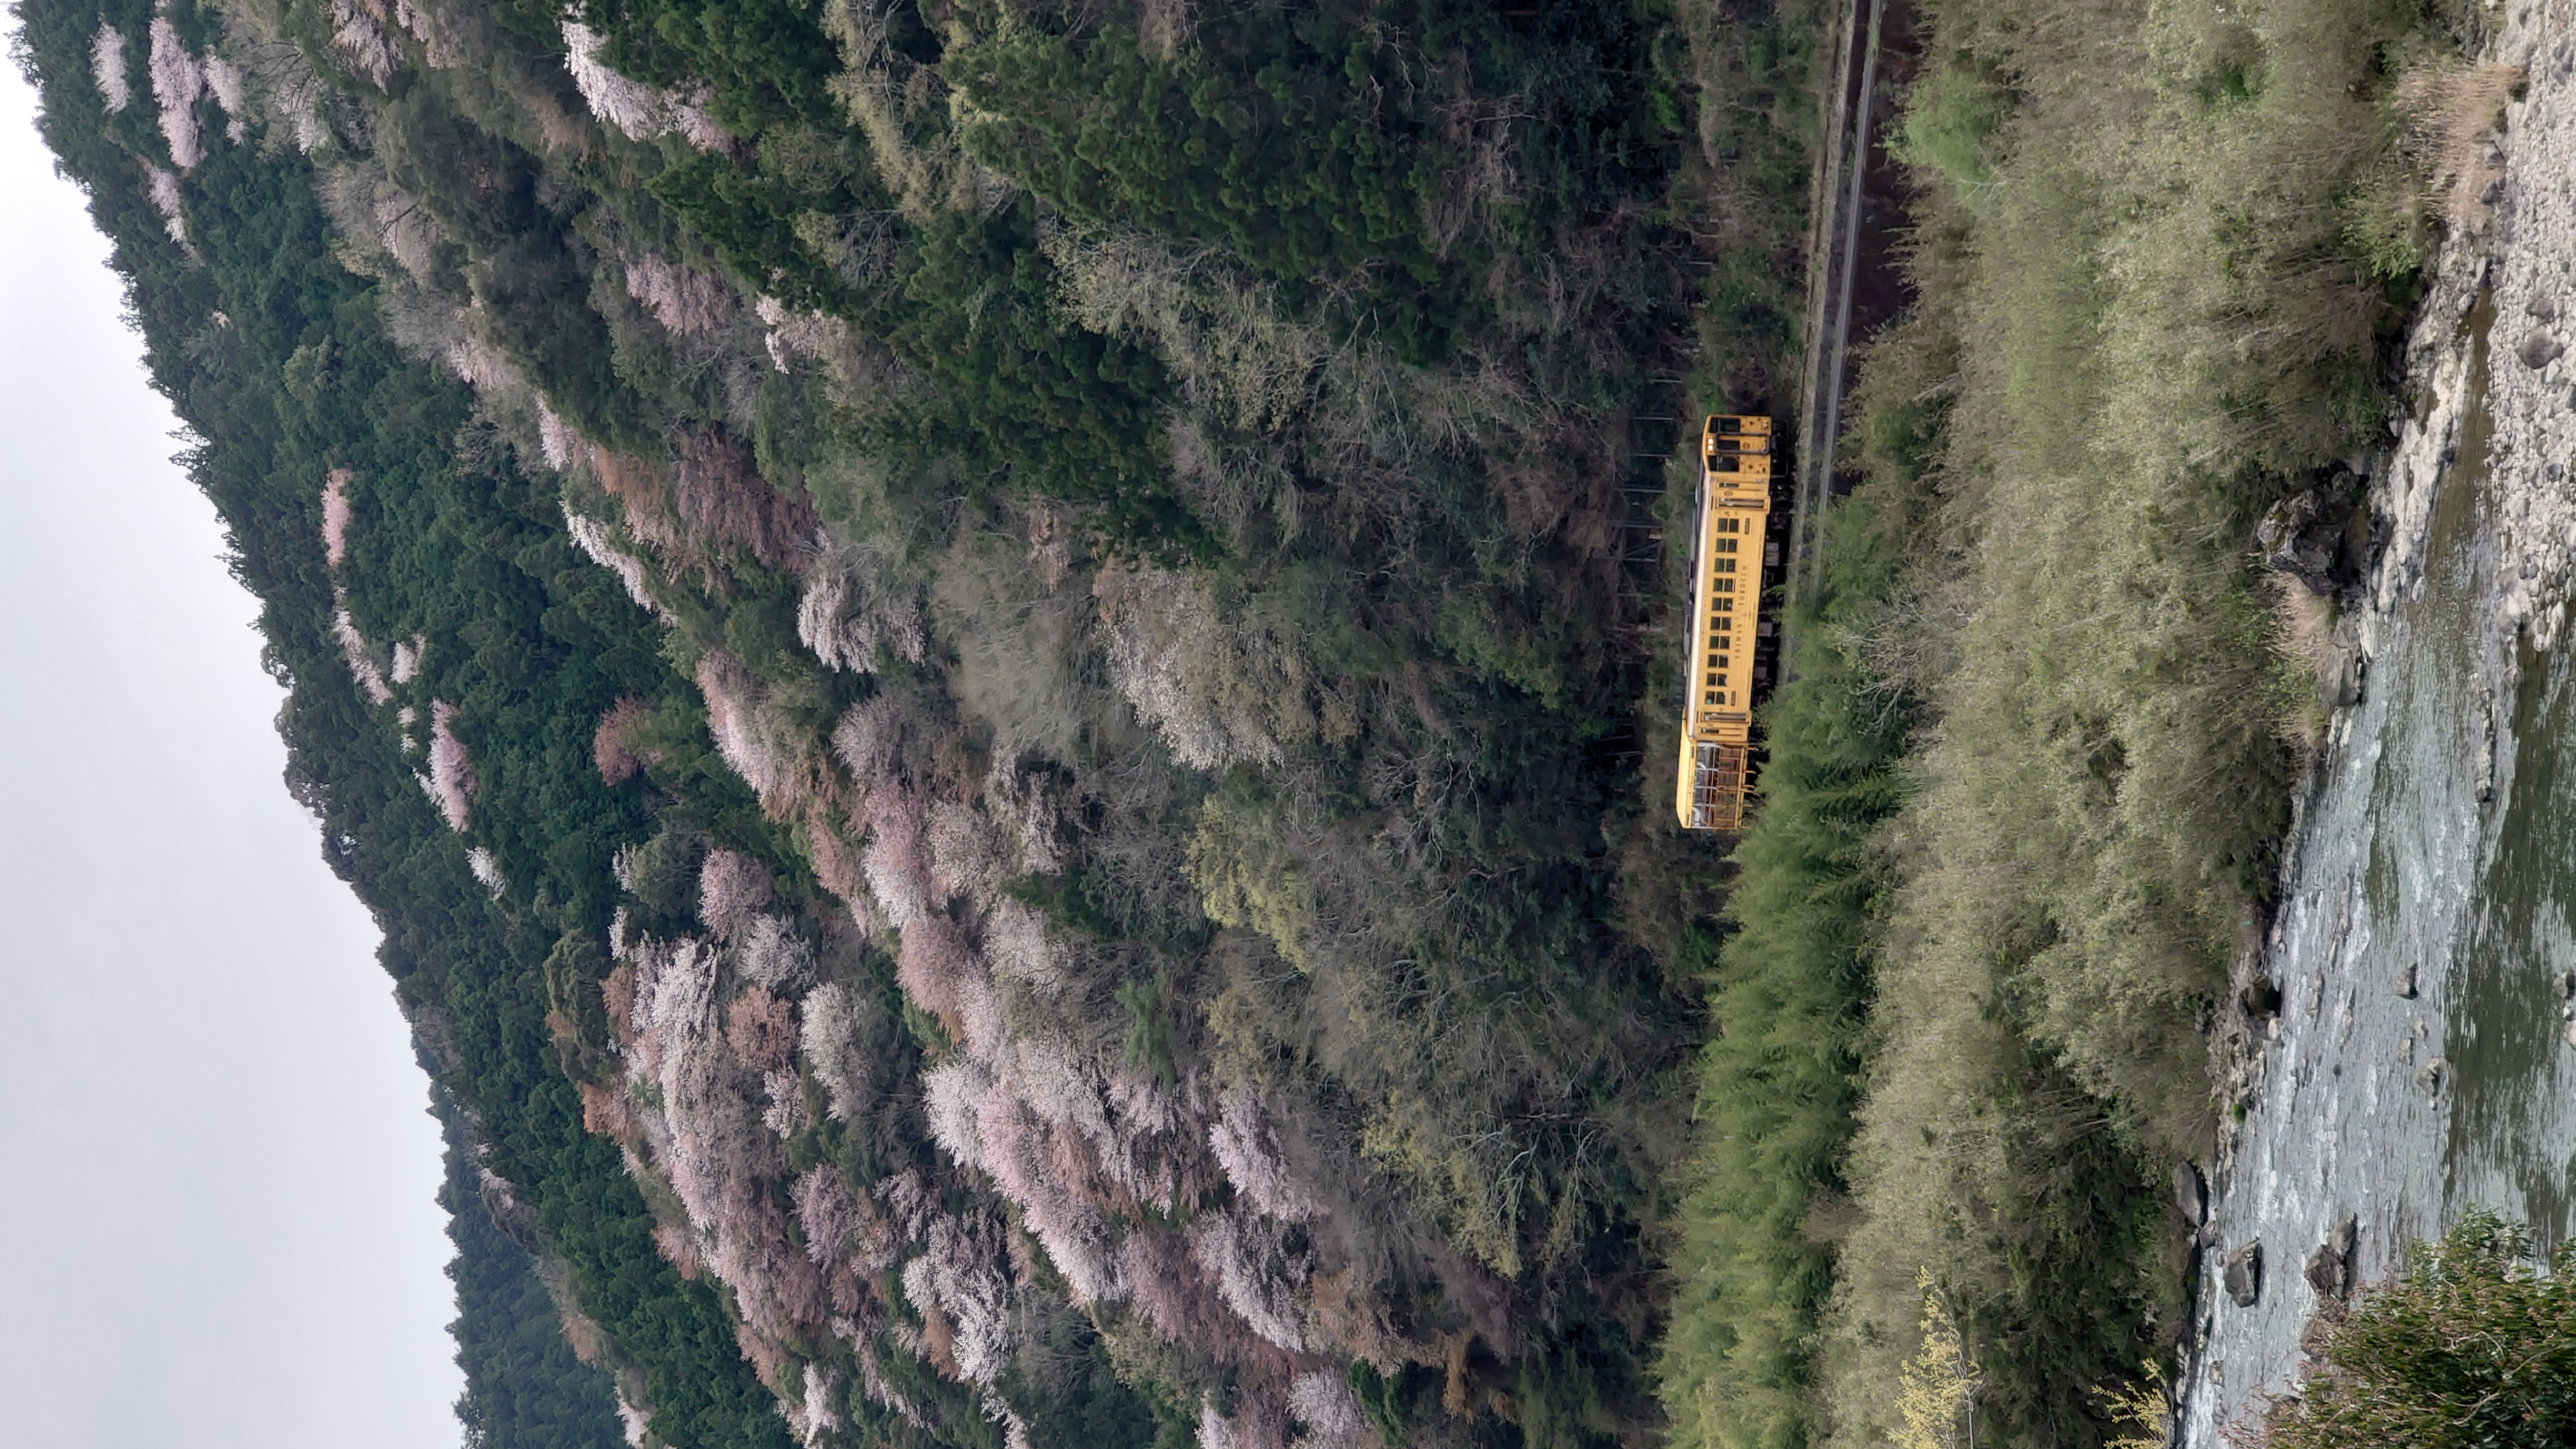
<point>2339,683</point>
<point>2191,1193</point>
<point>2540,309</point>
<point>2330,1266</point>
<point>2243,1278</point>
<point>2406,981</point>
<point>2433,1075</point>
<point>2260,1000</point>
<point>2540,347</point>
<point>2303,534</point>
<point>2328,1273</point>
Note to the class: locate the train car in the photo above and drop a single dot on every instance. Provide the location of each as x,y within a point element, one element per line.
<point>1727,651</point>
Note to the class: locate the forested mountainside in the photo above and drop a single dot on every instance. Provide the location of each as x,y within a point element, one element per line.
<point>986,664</point>
<point>976,656</point>
<point>526,1386</point>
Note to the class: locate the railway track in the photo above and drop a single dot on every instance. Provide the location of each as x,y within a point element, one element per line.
<point>1836,268</point>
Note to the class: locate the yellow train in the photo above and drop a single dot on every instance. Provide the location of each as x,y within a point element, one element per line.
<point>1727,556</point>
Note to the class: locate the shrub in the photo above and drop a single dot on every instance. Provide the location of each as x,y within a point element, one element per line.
<point>2475,1345</point>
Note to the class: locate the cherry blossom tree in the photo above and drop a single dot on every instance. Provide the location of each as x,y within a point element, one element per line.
<point>639,111</point>
<point>164,189</point>
<point>361,659</point>
<point>1247,1148</point>
<point>107,67</point>
<point>761,1028</point>
<point>178,83</point>
<point>359,36</point>
<point>612,745</point>
<point>684,300</point>
<point>451,771</point>
<point>733,889</point>
<point>335,517</point>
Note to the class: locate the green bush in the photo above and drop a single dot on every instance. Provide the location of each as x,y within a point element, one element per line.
<point>2473,1347</point>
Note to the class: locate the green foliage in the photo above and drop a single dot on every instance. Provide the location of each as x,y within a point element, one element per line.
<point>1950,120</point>
<point>1789,987</point>
<point>524,1389</point>
<point>2475,1345</point>
<point>2141,314</point>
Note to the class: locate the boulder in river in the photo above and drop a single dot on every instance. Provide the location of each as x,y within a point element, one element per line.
<point>2330,1266</point>
<point>2406,981</point>
<point>2243,1278</point>
<point>2191,1193</point>
<point>2304,535</point>
<point>2339,683</point>
<point>2260,1000</point>
<point>2540,347</point>
<point>2433,1075</point>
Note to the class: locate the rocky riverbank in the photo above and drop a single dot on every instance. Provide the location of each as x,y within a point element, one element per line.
<point>2395,1051</point>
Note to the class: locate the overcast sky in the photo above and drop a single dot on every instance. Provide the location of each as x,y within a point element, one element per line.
<point>217,1172</point>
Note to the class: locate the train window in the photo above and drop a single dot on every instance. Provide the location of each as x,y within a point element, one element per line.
<point>1711,698</point>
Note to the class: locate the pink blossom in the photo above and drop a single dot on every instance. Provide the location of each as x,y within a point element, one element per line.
<point>1324,1403</point>
<point>1247,1148</point>
<point>640,111</point>
<point>407,657</point>
<point>678,1249</point>
<point>761,1029</point>
<point>178,83</point>
<point>898,875</point>
<point>335,517</point>
<point>752,741</point>
<point>107,67</point>
<point>164,188</point>
<point>773,953</point>
<point>966,855</point>
<point>451,771</point>
<point>855,601</point>
<point>362,42</point>
<point>939,972</point>
<point>952,1094</point>
<point>869,741</point>
<point>797,335</point>
<point>826,1212</point>
<point>611,745</point>
<point>962,1278</point>
<point>810,1416</point>
<point>1254,1273</point>
<point>833,1051</point>
<point>1016,940</point>
<point>563,445</point>
<point>591,537</point>
<point>684,300</point>
<point>224,83</point>
<point>362,663</point>
<point>732,889</point>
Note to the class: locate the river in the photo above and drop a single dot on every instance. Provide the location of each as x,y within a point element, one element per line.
<point>2419,1064</point>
